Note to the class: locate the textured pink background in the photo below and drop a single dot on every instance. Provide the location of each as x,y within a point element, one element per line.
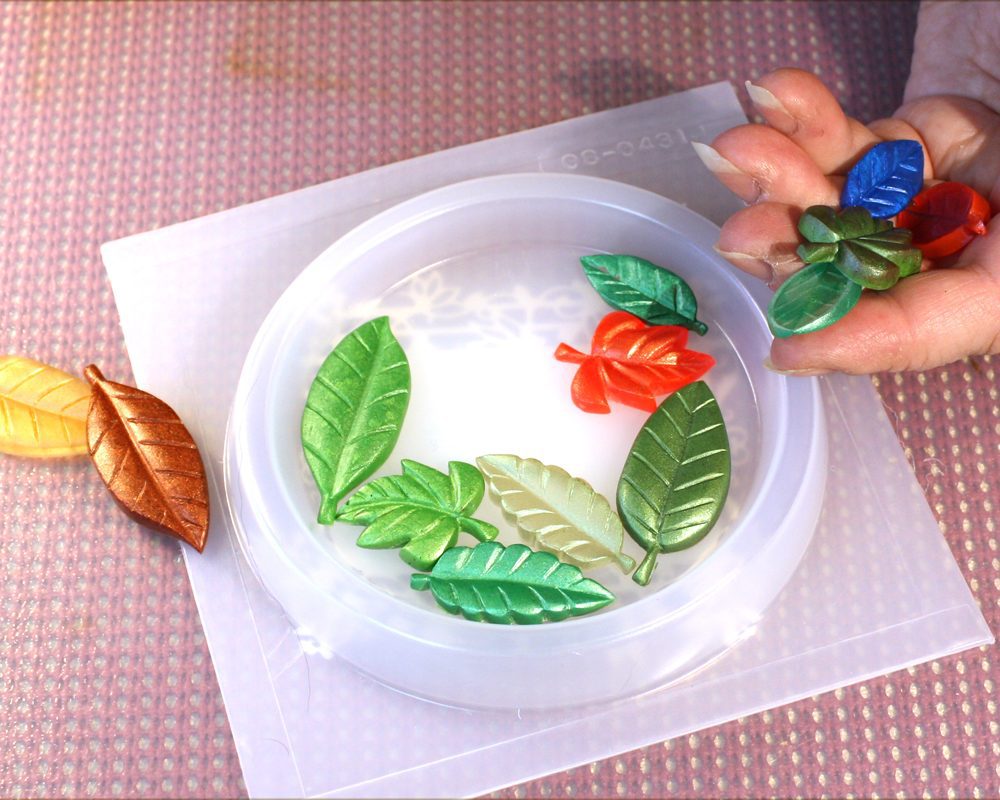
<point>116,118</point>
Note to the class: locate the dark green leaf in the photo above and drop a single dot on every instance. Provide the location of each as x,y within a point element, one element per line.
<point>895,246</point>
<point>869,251</point>
<point>493,583</point>
<point>354,411</point>
<point>643,289</point>
<point>811,299</point>
<point>422,511</point>
<point>819,224</point>
<point>676,476</point>
<point>814,252</point>
<point>864,267</point>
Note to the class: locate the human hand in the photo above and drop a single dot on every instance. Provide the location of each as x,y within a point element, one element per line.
<point>800,158</point>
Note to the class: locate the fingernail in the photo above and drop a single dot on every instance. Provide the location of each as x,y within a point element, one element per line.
<point>771,108</point>
<point>726,171</point>
<point>757,267</point>
<point>800,373</point>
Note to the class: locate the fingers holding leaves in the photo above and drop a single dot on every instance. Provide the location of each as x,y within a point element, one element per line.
<point>922,322</point>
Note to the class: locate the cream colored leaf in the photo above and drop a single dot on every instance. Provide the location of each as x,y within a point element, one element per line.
<point>555,511</point>
<point>43,410</point>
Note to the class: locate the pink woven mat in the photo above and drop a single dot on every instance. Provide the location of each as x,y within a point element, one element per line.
<point>117,118</point>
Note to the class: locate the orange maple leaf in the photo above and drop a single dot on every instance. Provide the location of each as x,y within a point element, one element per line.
<point>632,363</point>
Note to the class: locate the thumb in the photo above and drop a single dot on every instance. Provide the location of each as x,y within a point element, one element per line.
<point>924,321</point>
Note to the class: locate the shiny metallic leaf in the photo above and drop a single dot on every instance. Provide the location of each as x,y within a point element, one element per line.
<point>642,288</point>
<point>43,410</point>
<point>885,180</point>
<point>676,477</point>
<point>632,363</point>
<point>354,411</point>
<point>511,585</point>
<point>556,512</point>
<point>148,460</point>
<point>422,511</point>
<point>811,299</point>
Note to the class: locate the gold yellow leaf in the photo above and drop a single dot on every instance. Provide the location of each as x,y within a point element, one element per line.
<point>43,410</point>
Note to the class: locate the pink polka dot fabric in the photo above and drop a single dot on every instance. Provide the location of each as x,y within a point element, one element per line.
<point>120,117</point>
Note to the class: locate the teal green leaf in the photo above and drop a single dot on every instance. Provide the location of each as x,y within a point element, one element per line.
<point>811,299</point>
<point>354,411</point>
<point>556,512</point>
<point>676,477</point>
<point>422,511</point>
<point>642,288</point>
<point>510,585</point>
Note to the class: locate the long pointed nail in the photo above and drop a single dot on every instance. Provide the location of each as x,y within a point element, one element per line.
<point>771,108</point>
<point>800,373</point>
<point>757,267</point>
<point>735,179</point>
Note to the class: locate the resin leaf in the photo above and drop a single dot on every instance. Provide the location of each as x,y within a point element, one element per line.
<point>811,299</point>
<point>43,410</point>
<point>886,178</point>
<point>493,583</point>
<point>556,512</point>
<point>945,218</point>
<point>880,260</point>
<point>354,411</point>
<point>644,289</point>
<point>148,460</point>
<point>676,476</point>
<point>632,363</point>
<point>422,511</point>
<point>869,251</point>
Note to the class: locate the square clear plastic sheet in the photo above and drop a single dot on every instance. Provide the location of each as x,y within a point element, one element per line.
<point>876,590</point>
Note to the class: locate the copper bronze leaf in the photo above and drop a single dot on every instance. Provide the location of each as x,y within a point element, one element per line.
<point>148,460</point>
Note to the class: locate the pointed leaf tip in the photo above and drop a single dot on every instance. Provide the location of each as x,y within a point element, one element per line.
<point>148,460</point>
<point>640,287</point>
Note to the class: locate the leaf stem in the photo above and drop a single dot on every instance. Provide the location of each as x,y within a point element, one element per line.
<point>645,571</point>
<point>420,582</point>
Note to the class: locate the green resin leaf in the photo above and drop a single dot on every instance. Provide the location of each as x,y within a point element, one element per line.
<point>354,411</point>
<point>511,585</point>
<point>644,289</point>
<point>869,251</point>
<point>676,476</point>
<point>811,299</point>
<point>556,512</point>
<point>422,511</point>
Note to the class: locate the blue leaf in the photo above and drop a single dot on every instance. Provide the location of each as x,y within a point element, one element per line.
<point>886,179</point>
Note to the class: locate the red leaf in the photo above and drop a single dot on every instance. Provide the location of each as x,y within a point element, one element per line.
<point>632,363</point>
<point>945,218</point>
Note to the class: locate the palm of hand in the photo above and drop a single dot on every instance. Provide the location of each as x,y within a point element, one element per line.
<point>952,106</point>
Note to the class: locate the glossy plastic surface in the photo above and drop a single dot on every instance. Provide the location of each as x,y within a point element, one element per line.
<point>483,381</point>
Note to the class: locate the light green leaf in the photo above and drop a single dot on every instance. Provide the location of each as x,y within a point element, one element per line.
<point>354,411</point>
<point>556,512</point>
<point>422,511</point>
<point>641,288</point>
<point>493,583</point>
<point>676,476</point>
